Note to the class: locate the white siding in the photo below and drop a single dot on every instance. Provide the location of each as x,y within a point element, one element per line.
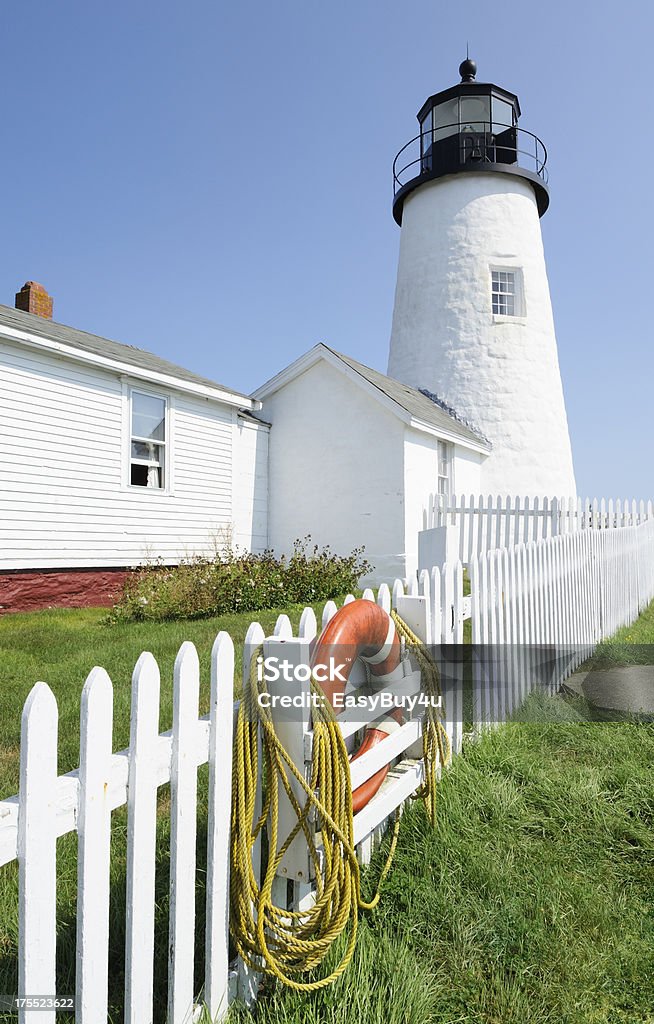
<point>64,501</point>
<point>421,481</point>
<point>467,471</point>
<point>336,473</point>
<point>250,485</point>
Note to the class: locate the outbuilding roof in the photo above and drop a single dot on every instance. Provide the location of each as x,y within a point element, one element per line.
<point>93,345</point>
<point>418,407</point>
<point>418,402</point>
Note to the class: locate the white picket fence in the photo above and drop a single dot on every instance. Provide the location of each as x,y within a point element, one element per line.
<point>489,522</point>
<point>564,594</point>
<point>570,590</point>
<point>48,806</point>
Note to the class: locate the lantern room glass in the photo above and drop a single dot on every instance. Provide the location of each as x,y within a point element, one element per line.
<point>503,113</point>
<point>446,119</point>
<point>426,133</point>
<point>474,113</point>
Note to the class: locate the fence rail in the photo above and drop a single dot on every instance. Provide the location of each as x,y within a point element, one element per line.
<point>569,590</point>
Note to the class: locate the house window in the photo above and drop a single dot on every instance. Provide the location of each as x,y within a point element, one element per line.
<point>505,293</point>
<point>444,467</point>
<point>147,466</point>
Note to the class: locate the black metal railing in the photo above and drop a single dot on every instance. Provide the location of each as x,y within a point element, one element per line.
<point>436,152</point>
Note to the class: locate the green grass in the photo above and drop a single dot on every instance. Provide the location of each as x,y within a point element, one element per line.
<point>61,647</point>
<point>631,645</point>
<point>530,903</point>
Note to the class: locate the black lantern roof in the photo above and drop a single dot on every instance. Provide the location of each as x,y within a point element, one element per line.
<point>470,127</point>
<point>469,86</point>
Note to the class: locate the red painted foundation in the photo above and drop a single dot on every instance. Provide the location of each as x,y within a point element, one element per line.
<point>30,591</point>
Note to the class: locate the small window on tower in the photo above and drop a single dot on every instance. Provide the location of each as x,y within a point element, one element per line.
<point>505,293</point>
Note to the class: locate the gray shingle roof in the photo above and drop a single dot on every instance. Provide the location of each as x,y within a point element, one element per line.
<point>423,405</point>
<point>96,345</point>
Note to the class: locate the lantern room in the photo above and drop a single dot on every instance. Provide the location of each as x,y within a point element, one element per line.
<point>472,126</point>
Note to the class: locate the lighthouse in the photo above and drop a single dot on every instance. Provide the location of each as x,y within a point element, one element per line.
<point>472,321</point>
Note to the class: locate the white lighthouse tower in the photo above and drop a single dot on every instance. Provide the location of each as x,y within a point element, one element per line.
<point>472,322</point>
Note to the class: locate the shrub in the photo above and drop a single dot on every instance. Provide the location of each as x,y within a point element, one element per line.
<point>234,581</point>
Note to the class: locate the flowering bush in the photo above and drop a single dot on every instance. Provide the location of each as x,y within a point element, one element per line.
<point>234,581</point>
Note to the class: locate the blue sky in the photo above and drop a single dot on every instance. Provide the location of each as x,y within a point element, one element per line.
<point>212,181</point>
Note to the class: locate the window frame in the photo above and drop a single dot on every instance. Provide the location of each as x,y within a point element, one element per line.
<point>519,310</point>
<point>447,448</point>
<point>165,445</point>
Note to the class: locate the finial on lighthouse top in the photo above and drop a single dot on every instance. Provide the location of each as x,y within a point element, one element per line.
<point>468,70</point>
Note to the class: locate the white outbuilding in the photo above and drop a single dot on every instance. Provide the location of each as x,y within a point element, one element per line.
<point>355,455</point>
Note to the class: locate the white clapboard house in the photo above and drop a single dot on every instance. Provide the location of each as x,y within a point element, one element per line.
<point>111,456</point>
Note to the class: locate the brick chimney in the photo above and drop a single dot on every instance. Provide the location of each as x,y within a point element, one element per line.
<point>33,298</point>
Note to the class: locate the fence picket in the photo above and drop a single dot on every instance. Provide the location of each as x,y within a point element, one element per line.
<point>457,667</point>
<point>436,606</point>
<point>512,629</point>
<point>328,612</point>
<point>479,716</point>
<point>398,591</point>
<point>528,531</point>
<point>93,857</point>
<point>141,842</point>
<point>384,597</point>
<point>216,979</point>
<point>283,628</point>
<point>248,978</point>
<point>183,818</point>
<point>37,851</point>
<point>308,624</point>
<point>483,536</point>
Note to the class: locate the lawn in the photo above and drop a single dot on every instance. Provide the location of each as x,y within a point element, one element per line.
<point>61,648</point>
<point>532,902</point>
<point>630,645</point>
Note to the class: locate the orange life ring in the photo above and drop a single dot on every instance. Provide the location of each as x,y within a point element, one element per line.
<point>361,629</point>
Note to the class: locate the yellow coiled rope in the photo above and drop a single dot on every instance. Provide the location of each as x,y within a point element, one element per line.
<point>269,938</point>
